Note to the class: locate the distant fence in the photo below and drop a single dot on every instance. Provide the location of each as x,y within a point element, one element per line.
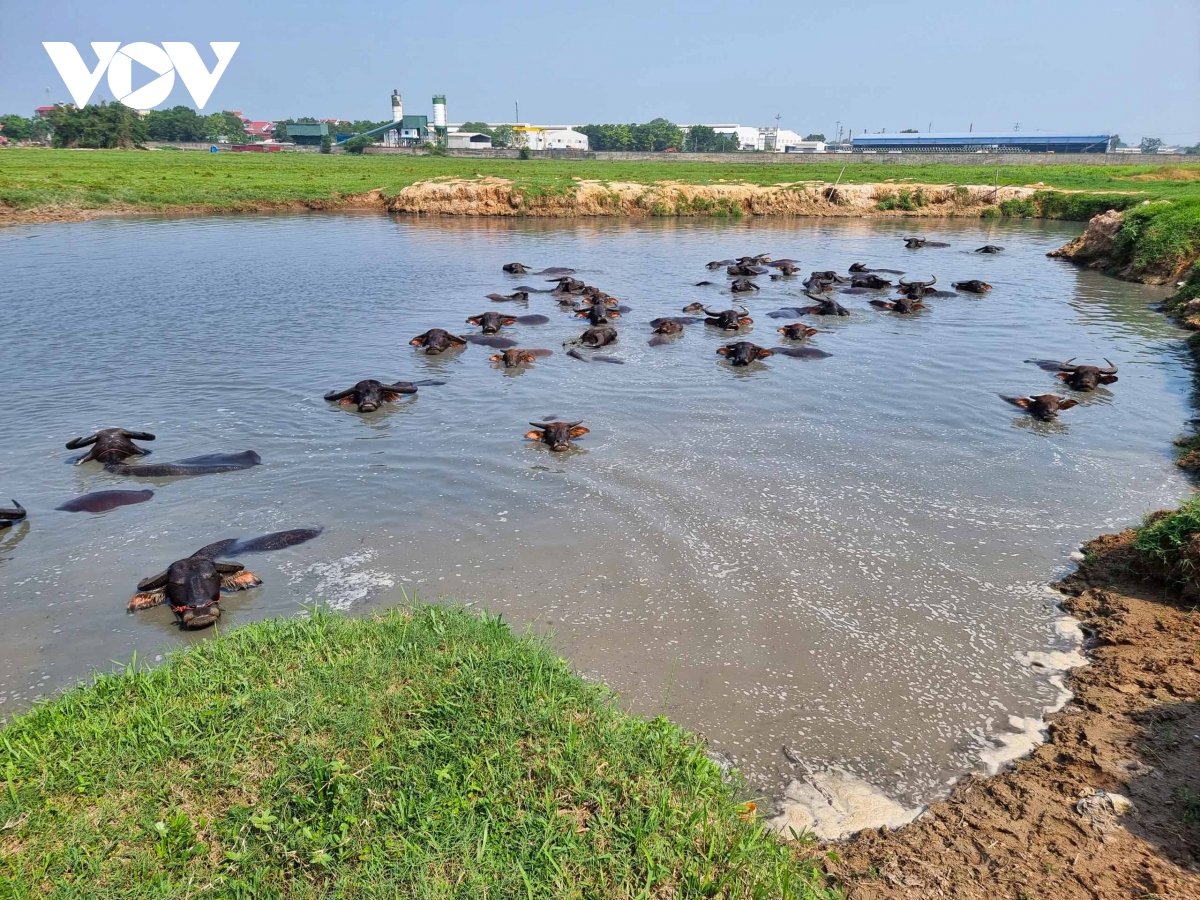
<point>772,159</point>
<point>789,159</point>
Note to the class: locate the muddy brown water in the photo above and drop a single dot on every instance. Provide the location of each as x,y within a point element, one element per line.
<point>847,555</point>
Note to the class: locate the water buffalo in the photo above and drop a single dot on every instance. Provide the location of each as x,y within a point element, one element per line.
<point>514,358</point>
<point>720,263</point>
<point>597,314</point>
<point>193,586</point>
<point>745,269</point>
<point>797,331</point>
<point>515,297</point>
<point>103,501</point>
<point>10,515</point>
<point>566,285</point>
<point>592,296</point>
<point>557,434</point>
<point>729,319</point>
<point>491,322</point>
<point>785,270</point>
<point>704,284</point>
<point>973,286</point>
<point>915,243</point>
<point>437,340</point>
<point>858,267</point>
<point>742,353</point>
<point>208,464</point>
<point>822,306</point>
<point>597,336</point>
<point>671,326</point>
<point>861,268</point>
<point>904,305</point>
<point>873,282</point>
<point>743,285</point>
<point>990,248</point>
<point>1080,378</point>
<point>757,259</point>
<point>785,263</point>
<point>1086,378</point>
<point>110,445</point>
<point>915,290</point>
<point>369,394</point>
<point>516,268</point>
<point>1043,406</point>
<point>694,307</point>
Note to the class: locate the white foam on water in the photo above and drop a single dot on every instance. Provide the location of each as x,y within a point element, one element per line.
<point>342,583</point>
<point>833,804</point>
<point>1028,732</point>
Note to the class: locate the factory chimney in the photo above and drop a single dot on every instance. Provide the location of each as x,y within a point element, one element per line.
<point>397,107</point>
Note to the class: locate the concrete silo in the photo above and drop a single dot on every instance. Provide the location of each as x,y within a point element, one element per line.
<point>397,107</point>
<point>439,117</point>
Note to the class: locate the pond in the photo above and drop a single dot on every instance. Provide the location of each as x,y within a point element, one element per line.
<point>848,556</point>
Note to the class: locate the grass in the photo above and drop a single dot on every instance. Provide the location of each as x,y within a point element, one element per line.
<point>34,178</point>
<point>1163,539</point>
<point>427,753</point>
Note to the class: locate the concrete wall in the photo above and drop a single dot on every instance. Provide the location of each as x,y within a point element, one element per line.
<point>205,145</point>
<point>985,160</point>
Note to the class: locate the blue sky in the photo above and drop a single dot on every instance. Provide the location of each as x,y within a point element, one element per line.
<point>1130,68</point>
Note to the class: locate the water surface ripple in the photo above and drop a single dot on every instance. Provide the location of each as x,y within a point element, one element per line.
<point>846,555</point>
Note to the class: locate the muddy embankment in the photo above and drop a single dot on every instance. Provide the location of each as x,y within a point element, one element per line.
<point>1042,829</point>
<point>1109,806</point>
<point>500,197</point>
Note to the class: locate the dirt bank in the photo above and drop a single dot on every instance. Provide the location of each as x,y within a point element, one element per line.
<point>1133,730</point>
<point>368,200</point>
<point>499,197</point>
<point>1159,247</point>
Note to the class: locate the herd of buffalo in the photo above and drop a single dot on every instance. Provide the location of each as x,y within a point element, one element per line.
<point>192,586</point>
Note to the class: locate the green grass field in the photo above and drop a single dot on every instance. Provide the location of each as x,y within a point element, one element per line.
<point>428,753</point>
<point>89,179</point>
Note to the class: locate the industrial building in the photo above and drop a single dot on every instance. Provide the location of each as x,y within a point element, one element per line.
<point>537,137</point>
<point>980,142</point>
<point>752,137</point>
<point>468,140</point>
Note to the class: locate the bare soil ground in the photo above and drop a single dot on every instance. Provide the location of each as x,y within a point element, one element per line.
<point>1132,729</point>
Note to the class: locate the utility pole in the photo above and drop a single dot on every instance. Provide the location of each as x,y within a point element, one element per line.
<point>516,113</point>
<point>777,117</point>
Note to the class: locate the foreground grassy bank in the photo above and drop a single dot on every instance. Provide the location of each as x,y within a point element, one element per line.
<point>37,179</point>
<point>428,753</point>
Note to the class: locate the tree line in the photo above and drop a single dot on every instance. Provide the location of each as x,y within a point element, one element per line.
<point>114,125</point>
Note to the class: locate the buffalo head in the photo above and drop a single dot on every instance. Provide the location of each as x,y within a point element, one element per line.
<point>743,285</point>
<point>729,319</point>
<point>491,322</point>
<point>368,395</point>
<point>1043,406</point>
<point>515,356</point>
<point>516,268</point>
<point>437,340</point>
<point>742,353</point>
<point>916,289</point>
<point>797,331</point>
<point>557,435</point>
<point>972,286</point>
<point>110,445</point>
<point>874,282</point>
<point>1086,378</point>
<point>990,248</point>
<point>193,588</point>
<point>15,513</point>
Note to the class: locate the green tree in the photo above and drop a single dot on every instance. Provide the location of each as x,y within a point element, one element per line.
<point>816,137</point>
<point>16,128</point>
<point>106,125</point>
<point>1115,141</point>
<point>1151,145</point>
<point>357,144</point>
<point>327,143</point>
